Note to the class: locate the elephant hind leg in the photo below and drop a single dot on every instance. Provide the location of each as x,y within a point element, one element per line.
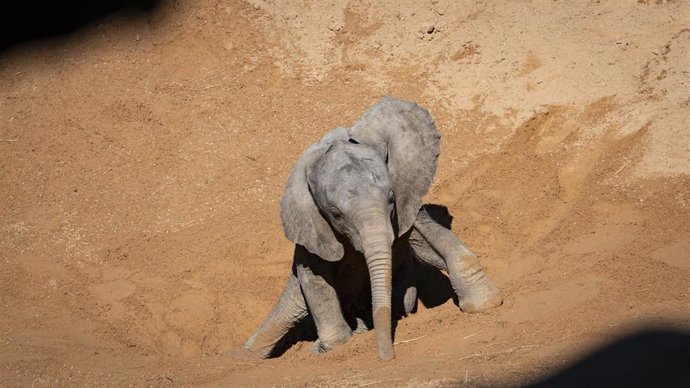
<point>287,312</point>
<point>438,246</point>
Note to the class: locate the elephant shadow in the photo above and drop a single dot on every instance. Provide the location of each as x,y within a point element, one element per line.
<point>433,289</point>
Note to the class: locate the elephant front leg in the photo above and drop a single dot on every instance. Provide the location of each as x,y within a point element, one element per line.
<point>438,246</point>
<point>287,312</point>
<point>316,277</point>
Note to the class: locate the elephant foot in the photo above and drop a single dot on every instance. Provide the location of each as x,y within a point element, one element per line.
<point>476,293</point>
<point>244,354</point>
<point>410,300</point>
<point>323,346</point>
<point>361,327</point>
<point>480,299</point>
<point>256,345</point>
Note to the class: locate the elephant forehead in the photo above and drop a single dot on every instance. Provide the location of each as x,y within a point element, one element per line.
<point>352,170</point>
<point>355,163</point>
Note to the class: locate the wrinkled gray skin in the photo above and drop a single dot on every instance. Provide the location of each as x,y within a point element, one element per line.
<point>352,206</point>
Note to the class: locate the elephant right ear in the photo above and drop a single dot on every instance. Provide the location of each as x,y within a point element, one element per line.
<point>303,223</point>
<point>405,135</point>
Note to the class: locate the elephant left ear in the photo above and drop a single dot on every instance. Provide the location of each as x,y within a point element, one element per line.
<point>405,135</point>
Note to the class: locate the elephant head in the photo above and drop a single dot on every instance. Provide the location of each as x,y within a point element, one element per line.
<point>364,185</point>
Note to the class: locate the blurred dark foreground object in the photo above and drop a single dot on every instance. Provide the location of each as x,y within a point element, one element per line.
<point>651,358</point>
<point>22,20</point>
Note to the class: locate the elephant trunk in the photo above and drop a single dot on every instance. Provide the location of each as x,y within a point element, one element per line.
<point>377,239</point>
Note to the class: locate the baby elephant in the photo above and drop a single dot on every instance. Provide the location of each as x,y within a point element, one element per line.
<point>352,206</point>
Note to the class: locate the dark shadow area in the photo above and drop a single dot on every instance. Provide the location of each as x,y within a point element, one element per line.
<point>650,358</point>
<point>24,20</point>
<point>433,286</point>
<point>305,330</point>
<point>440,214</point>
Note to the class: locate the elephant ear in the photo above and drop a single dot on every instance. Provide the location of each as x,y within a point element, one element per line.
<point>303,223</point>
<point>403,134</point>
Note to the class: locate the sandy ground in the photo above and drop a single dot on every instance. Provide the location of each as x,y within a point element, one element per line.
<point>143,157</point>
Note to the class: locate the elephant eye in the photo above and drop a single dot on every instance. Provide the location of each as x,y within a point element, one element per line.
<point>336,213</point>
<point>391,197</point>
